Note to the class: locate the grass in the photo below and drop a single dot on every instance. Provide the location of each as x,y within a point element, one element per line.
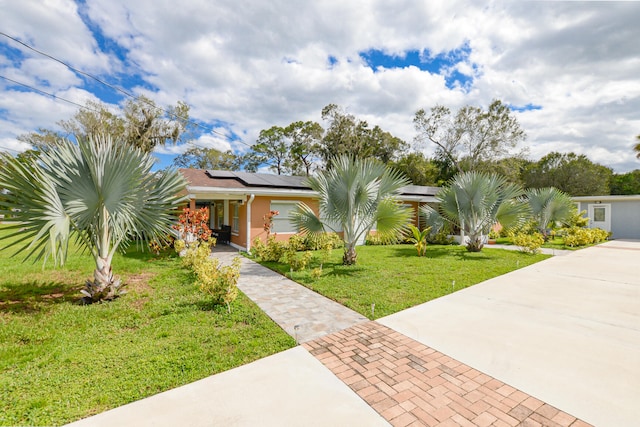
<point>60,361</point>
<point>395,278</point>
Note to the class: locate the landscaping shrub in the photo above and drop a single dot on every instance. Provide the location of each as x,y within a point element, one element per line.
<point>273,250</point>
<point>577,236</point>
<point>530,243</point>
<point>192,225</point>
<point>297,262</point>
<point>419,239</point>
<point>219,282</point>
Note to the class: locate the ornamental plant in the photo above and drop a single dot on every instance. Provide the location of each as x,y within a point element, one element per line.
<point>219,282</point>
<point>193,225</point>
<point>419,239</point>
<point>268,221</point>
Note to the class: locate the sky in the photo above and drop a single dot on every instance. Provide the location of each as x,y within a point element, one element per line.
<point>569,70</point>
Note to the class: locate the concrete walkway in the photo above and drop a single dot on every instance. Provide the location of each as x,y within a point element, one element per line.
<point>556,343</point>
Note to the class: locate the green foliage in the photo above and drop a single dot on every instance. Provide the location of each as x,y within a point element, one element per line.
<point>218,282</point>
<point>348,135</point>
<point>297,261</point>
<point>577,219</point>
<point>273,250</point>
<point>442,237</point>
<point>576,236</point>
<point>394,278</point>
<point>530,243</point>
<point>208,158</point>
<point>626,183</point>
<point>573,174</point>
<point>356,195</point>
<point>58,358</point>
<point>549,206</point>
<point>419,169</point>
<point>419,239</point>
<point>100,191</point>
<point>141,124</point>
<point>472,136</point>
<point>298,242</point>
<point>474,202</point>
<point>317,241</point>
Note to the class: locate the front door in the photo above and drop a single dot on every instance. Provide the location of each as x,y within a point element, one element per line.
<point>600,216</point>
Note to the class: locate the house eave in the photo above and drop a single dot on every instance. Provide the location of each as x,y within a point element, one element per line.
<point>609,198</point>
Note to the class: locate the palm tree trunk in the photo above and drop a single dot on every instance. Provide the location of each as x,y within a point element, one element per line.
<point>350,256</point>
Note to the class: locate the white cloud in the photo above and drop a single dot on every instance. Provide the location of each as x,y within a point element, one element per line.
<point>252,64</point>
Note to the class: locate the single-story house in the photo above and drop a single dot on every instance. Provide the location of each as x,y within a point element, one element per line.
<point>617,214</point>
<point>241,200</point>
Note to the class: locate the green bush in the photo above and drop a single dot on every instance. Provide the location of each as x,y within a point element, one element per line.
<point>298,242</point>
<point>578,236</point>
<point>297,262</point>
<point>530,243</point>
<point>219,282</point>
<point>442,237</point>
<point>272,251</point>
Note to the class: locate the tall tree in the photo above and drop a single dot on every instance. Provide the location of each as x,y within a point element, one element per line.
<point>346,134</point>
<point>636,147</point>
<point>472,135</point>
<point>141,123</point>
<point>474,202</point>
<point>418,169</point>
<point>304,139</point>
<point>355,194</point>
<point>574,174</point>
<point>100,191</point>
<point>270,149</point>
<point>208,158</point>
<point>626,183</point>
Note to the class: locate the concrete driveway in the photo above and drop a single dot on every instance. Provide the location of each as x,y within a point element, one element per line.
<point>566,331</point>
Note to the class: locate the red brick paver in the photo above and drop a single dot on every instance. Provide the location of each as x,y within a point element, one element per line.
<point>409,383</point>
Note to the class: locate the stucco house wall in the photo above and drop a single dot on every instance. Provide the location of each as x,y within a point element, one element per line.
<point>241,200</point>
<point>624,213</point>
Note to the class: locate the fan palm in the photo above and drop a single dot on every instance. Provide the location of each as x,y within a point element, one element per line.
<point>636,147</point>
<point>100,191</point>
<point>354,196</point>
<point>475,201</point>
<point>549,205</point>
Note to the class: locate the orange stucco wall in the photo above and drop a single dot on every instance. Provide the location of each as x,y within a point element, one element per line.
<point>261,206</point>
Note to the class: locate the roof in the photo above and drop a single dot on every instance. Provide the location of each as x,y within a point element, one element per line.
<point>201,179</point>
<point>608,198</point>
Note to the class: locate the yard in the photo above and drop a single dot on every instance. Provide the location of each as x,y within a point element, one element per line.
<point>394,277</point>
<point>60,361</point>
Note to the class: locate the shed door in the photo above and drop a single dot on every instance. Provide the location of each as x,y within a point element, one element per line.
<point>600,216</point>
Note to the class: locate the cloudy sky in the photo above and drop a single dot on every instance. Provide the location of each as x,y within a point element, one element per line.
<point>570,70</point>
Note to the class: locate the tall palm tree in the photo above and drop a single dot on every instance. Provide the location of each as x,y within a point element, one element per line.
<point>101,191</point>
<point>636,147</point>
<point>474,202</point>
<point>549,205</point>
<point>355,195</point>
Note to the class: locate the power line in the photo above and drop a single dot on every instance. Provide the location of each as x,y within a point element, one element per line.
<point>126,93</point>
<point>72,102</point>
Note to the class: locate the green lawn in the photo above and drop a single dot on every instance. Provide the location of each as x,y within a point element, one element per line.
<point>60,361</point>
<point>394,277</point>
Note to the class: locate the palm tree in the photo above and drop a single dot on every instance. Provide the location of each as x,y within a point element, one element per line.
<point>354,196</point>
<point>549,205</point>
<point>474,202</point>
<point>636,147</point>
<point>101,191</point>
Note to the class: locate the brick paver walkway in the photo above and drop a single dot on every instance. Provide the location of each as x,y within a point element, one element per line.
<point>302,313</point>
<point>410,384</point>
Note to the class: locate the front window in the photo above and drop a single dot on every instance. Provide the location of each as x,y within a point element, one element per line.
<point>235,219</point>
<point>281,222</point>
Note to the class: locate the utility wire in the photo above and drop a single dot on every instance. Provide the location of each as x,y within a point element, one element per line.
<point>84,107</point>
<point>124,92</point>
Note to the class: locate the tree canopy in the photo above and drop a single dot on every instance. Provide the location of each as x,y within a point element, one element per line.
<point>141,124</point>
<point>472,136</point>
<point>208,158</point>
<point>574,174</point>
<point>346,134</point>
